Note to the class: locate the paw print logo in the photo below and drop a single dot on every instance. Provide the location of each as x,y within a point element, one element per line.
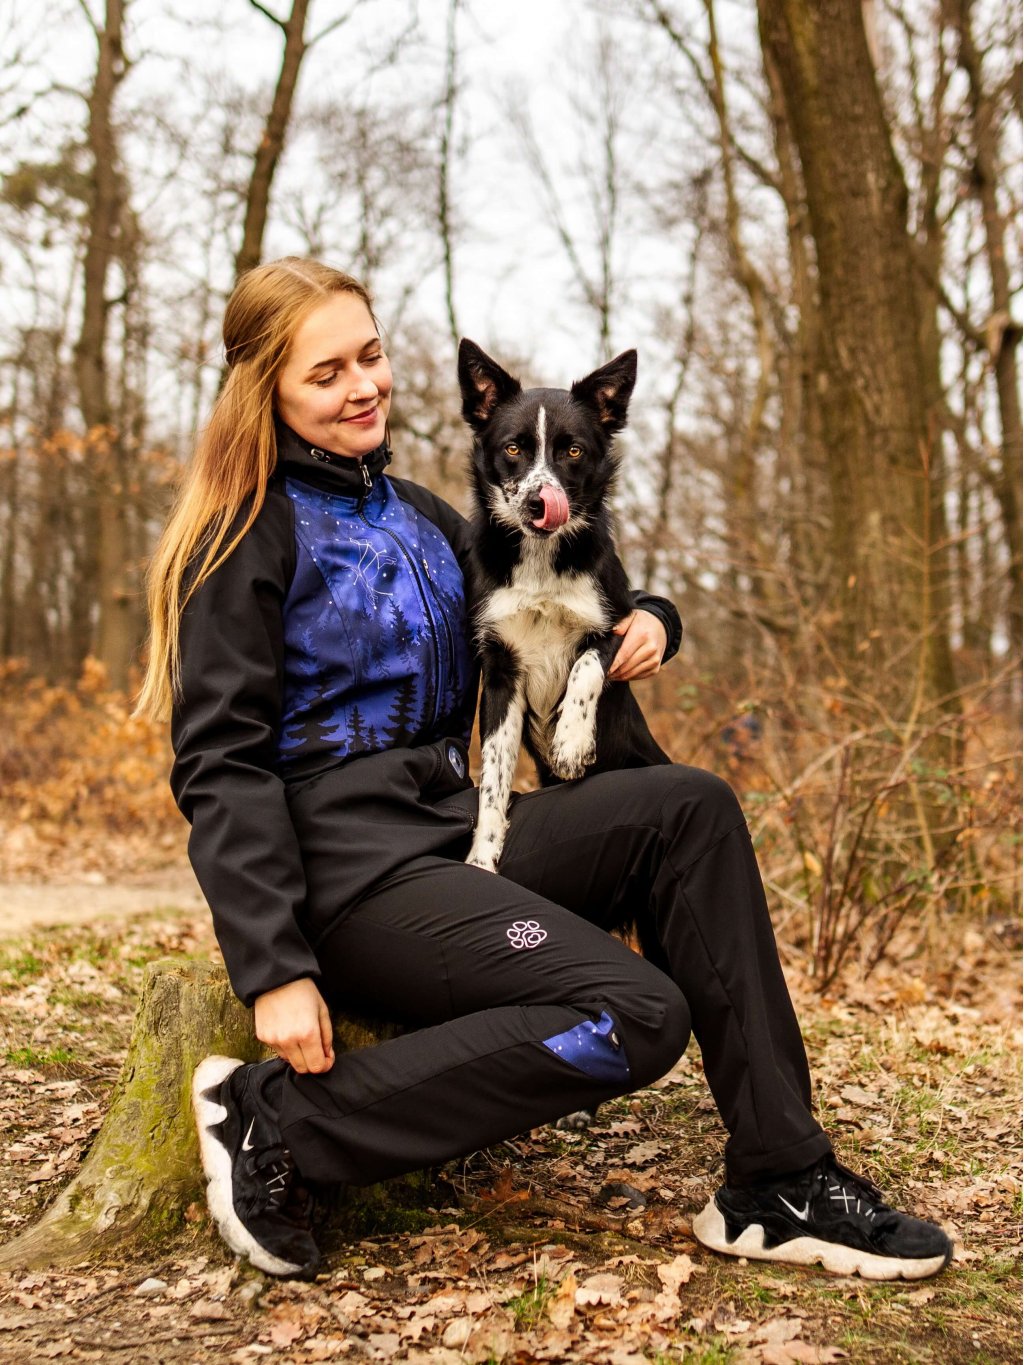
<point>526,933</point>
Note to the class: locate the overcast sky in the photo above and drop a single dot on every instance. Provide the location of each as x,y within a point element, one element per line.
<point>513,284</point>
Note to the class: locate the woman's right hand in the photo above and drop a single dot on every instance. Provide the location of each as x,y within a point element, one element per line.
<point>296,1023</point>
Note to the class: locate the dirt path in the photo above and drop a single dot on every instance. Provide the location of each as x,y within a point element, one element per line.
<point>31,905</point>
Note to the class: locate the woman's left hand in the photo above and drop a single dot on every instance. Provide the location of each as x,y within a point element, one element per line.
<point>644,638</point>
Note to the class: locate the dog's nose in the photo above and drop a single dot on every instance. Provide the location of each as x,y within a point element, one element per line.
<point>535,507</point>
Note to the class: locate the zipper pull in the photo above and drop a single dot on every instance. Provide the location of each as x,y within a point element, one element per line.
<point>367,481</point>
<point>321,456</point>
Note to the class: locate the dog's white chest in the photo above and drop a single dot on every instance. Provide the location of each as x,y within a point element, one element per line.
<point>543,617</point>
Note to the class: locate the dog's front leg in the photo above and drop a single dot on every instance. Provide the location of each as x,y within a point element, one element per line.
<point>574,744</point>
<point>502,707</point>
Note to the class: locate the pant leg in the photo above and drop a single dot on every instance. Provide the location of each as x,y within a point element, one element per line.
<point>668,849</point>
<point>523,1010</point>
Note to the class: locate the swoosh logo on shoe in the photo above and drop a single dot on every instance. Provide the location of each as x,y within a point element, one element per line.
<point>247,1145</point>
<point>797,1213</point>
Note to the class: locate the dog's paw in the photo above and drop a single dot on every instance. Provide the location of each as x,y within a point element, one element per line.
<point>569,760</point>
<point>577,1122</point>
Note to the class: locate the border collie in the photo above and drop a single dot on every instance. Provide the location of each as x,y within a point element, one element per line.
<point>549,583</point>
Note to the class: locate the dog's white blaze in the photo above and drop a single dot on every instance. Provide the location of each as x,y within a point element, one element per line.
<point>573,747</point>
<point>542,422</point>
<point>498,757</point>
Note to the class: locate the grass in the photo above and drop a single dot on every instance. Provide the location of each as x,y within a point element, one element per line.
<point>529,1307</point>
<point>29,1057</point>
<point>22,966</point>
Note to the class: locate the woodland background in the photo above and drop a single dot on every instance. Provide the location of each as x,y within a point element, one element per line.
<point>806,215</point>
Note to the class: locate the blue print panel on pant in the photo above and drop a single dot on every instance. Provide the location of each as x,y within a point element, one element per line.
<point>594,1048</point>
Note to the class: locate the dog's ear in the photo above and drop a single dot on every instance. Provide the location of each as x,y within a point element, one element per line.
<point>484,384</point>
<point>608,390</point>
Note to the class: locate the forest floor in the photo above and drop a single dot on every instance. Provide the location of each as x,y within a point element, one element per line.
<point>556,1246</point>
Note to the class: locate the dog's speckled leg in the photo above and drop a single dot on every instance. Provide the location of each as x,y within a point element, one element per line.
<point>574,748</point>
<point>499,753</point>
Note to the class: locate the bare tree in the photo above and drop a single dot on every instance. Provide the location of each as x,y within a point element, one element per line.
<point>886,523</point>
<point>108,556</point>
<point>1001,331</point>
<point>275,129</point>
<point>592,262</point>
<point>444,171</point>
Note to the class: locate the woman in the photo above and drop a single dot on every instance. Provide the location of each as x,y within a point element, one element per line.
<point>309,638</point>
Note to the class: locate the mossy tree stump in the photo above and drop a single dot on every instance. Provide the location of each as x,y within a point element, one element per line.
<point>142,1171</point>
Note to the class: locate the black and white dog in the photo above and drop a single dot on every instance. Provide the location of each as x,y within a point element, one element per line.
<point>549,583</point>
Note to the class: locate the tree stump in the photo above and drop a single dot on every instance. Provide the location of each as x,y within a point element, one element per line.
<point>142,1171</point>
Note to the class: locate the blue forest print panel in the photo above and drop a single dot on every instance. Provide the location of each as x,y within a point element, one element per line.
<point>375,628</point>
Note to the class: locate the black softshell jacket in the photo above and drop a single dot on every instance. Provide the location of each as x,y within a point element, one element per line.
<point>260,825</point>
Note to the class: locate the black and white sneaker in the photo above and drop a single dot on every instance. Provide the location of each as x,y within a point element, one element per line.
<point>823,1216</point>
<point>259,1205</point>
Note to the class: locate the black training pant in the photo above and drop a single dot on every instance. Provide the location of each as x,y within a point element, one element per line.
<point>525,1008</point>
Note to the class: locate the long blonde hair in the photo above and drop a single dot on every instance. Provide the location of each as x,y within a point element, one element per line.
<point>235,454</point>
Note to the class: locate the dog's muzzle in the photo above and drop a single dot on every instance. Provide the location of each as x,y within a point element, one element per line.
<point>549,508</point>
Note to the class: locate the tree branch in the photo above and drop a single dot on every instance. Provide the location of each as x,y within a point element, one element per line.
<point>263,10</point>
<point>330,28</point>
<point>92,22</point>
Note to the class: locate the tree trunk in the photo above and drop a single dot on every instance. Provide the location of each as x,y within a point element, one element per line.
<point>257,201</point>
<point>1003,332</point>
<point>891,621</point>
<point>142,1172</point>
<point>109,556</point>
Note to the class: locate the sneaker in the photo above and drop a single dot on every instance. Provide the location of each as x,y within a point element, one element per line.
<point>824,1216</point>
<point>258,1204</point>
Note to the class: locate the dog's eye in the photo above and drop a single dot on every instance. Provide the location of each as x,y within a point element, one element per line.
<point>574,452</point>
<point>512,451</point>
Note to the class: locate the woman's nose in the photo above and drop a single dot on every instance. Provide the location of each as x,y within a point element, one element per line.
<point>362,385</point>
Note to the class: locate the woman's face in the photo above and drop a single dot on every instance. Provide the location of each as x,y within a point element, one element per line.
<point>335,387</point>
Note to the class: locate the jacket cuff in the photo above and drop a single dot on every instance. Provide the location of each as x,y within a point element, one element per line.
<point>666,613</point>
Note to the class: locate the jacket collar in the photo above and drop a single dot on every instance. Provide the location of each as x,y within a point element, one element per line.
<point>353,478</point>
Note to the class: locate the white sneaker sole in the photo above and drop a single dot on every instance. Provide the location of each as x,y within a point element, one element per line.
<point>210,1074</point>
<point>709,1229</point>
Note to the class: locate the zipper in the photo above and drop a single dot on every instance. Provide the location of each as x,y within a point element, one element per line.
<point>448,635</point>
<point>325,457</point>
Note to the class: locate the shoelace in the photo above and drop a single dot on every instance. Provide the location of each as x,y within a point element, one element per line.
<point>272,1168</point>
<point>851,1192</point>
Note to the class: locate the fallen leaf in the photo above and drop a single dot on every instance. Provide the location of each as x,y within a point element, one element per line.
<point>562,1304</point>
<point>643,1152</point>
<point>920,1296</point>
<point>208,1310</point>
<point>599,1289</point>
<point>676,1272</point>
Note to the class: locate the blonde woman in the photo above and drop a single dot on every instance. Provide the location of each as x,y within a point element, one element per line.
<point>309,642</point>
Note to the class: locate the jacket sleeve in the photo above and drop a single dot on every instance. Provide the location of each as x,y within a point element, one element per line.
<point>224,730</point>
<point>666,613</point>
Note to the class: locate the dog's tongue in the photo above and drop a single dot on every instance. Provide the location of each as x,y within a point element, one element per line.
<point>556,508</point>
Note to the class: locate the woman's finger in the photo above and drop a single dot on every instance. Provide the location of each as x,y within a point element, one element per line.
<point>326,1036</point>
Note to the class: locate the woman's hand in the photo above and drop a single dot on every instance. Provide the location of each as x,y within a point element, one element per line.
<point>644,638</point>
<point>296,1023</point>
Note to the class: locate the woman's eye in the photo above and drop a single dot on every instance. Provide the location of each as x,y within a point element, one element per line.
<point>574,452</point>
<point>326,382</point>
<point>512,451</point>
